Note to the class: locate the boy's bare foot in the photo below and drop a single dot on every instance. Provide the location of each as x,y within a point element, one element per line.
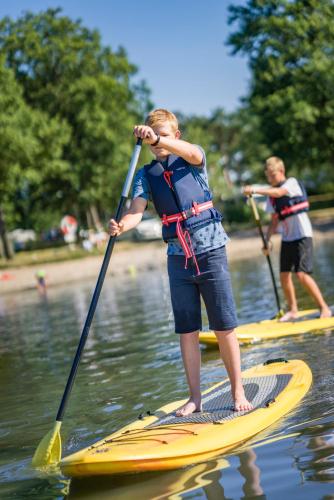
<point>289,316</point>
<point>242,404</point>
<point>325,312</point>
<point>190,407</point>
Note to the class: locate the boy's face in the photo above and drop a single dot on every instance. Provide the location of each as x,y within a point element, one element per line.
<point>164,130</point>
<point>275,177</point>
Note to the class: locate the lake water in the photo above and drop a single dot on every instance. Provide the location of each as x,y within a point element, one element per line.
<point>132,363</point>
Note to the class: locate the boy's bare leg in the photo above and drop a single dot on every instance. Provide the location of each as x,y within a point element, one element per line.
<point>230,354</point>
<point>311,286</point>
<point>191,356</point>
<point>290,296</point>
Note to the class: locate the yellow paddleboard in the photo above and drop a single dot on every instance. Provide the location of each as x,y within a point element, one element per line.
<point>306,322</point>
<point>163,441</point>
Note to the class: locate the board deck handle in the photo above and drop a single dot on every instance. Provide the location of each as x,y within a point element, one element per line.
<point>276,360</point>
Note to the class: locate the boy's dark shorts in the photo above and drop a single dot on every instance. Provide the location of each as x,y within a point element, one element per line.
<point>297,256</point>
<point>213,284</point>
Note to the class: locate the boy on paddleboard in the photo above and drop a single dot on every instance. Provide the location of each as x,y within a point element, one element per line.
<point>288,205</point>
<point>176,181</point>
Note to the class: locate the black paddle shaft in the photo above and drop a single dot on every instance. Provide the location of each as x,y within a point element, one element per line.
<point>265,244</point>
<point>100,280</point>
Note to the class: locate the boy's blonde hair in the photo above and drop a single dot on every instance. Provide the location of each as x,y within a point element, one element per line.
<point>275,164</point>
<point>161,116</point>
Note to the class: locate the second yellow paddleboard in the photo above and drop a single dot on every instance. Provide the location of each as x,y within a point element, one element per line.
<point>307,321</point>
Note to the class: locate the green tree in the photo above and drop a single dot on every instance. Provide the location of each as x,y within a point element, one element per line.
<point>233,146</point>
<point>66,73</point>
<point>290,45</point>
<point>31,147</point>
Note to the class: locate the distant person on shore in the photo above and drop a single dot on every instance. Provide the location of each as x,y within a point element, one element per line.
<point>41,281</point>
<point>288,205</point>
<point>176,181</point>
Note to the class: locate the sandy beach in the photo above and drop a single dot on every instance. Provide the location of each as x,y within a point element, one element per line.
<point>140,257</point>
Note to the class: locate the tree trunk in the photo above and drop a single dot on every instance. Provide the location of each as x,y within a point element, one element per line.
<point>7,253</point>
<point>227,178</point>
<point>89,219</point>
<point>96,218</point>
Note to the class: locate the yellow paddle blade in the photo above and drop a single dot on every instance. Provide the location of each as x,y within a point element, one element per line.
<point>49,449</point>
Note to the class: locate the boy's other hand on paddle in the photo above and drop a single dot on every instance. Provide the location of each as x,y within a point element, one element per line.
<point>267,250</point>
<point>248,190</point>
<point>115,229</point>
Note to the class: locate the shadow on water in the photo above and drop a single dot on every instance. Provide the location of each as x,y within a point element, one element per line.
<point>131,364</point>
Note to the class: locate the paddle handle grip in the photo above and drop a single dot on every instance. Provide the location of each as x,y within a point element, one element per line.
<point>254,208</point>
<point>258,221</point>
<point>131,171</point>
<point>100,280</point>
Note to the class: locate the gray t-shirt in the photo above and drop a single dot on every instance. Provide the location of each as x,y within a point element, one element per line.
<point>204,238</point>
<point>296,226</point>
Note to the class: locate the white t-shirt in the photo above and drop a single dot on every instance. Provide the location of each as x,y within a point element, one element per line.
<point>296,226</point>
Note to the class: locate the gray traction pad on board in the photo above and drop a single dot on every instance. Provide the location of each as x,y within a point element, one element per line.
<point>218,403</point>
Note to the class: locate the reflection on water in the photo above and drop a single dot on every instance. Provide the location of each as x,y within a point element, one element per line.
<point>131,363</point>
<point>314,452</point>
<point>207,477</point>
<point>153,485</point>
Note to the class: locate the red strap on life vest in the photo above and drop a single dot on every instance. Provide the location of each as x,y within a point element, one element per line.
<point>183,236</point>
<point>167,176</point>
<point>295,208</point>
<point>196,209</point>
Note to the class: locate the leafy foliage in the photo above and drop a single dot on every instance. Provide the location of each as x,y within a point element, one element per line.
<point>290,45</point>
<point>83,91</point>
<point>233,145</point>
<point>32,146</point>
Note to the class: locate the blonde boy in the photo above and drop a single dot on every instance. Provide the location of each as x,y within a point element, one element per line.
<point>288,204</point>
<point>176,181</point>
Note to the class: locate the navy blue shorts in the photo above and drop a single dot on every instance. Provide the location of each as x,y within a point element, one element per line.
<point>213,284</point>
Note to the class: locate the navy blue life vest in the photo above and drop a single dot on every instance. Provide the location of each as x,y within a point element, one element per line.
<point>286,206</point>
<point>186,190</point>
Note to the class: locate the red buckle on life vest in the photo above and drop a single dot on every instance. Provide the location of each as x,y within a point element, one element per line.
<point>195,205</point>
<point>187,213</point>
<point>164,220</point>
